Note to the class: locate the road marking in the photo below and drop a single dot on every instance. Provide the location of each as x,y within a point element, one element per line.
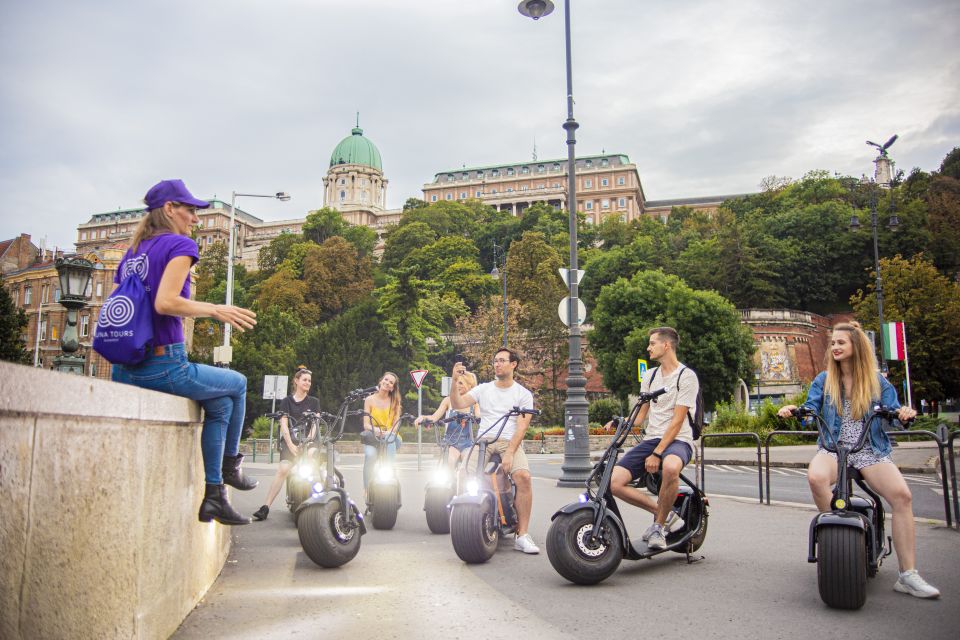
<point>728,468</point>
<point>783,473</point>
<point>748,469</point>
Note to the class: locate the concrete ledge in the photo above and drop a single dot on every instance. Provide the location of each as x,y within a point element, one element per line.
<point>100,485</point>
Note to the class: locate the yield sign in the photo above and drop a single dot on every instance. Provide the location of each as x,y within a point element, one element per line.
<point>418,375</point>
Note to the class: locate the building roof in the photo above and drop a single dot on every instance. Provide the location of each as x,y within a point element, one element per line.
<point>5,246</point>
<point>686,202</point>
<point>582,162</point>
<point>136,214</point>
<point>356,149</point>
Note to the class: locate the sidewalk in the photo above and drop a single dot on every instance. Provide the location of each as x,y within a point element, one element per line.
<point>910,457</point>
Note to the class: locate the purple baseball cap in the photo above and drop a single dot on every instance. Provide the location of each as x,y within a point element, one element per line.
<point>171,191</point>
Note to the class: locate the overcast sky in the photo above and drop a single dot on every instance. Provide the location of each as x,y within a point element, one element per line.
<point>99,99</point>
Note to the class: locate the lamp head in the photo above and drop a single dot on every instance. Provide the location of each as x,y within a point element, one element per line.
<point>535,9</point>
<point>283,196</point>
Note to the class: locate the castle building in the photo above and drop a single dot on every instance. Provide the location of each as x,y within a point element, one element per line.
<point>355,185</point>
<point>607,186</point>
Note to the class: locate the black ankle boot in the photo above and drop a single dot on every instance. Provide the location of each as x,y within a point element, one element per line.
<point>233,476</point>
<point>216,507</point>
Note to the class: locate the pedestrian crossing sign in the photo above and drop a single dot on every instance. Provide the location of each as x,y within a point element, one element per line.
<point>641,369</point>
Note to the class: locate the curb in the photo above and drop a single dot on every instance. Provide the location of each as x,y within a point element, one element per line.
<point>803,465</point>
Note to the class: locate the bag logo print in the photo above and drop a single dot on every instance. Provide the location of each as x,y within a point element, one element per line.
<point>117,312</point>
<point>139,265</point>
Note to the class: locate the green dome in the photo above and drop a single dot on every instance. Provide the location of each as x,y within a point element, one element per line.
<point>355,149</point>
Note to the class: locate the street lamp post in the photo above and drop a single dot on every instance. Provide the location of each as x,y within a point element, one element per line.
<point>882,179</point>
<point>74,275</point>
<point>576,449</point>
<point>756,377</point>
<point>224,355</point>
<point>36,345</point>
<point>500,260</point>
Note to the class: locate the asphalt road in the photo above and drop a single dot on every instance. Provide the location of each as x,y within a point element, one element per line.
<point>754,582</point>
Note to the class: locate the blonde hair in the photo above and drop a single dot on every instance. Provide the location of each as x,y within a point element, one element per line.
<point>469,379</point>
<point>865,383</point>
<point>395,402</point>
<point>154,223</point>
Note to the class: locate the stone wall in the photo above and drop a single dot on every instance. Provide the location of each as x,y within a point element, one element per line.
<point>100,485</point>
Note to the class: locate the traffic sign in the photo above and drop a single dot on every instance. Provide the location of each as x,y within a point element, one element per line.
<point>418,375</point>
<point>565,274</point>
<point>274,387</point>
<point>563,311</point>
<point>641,369</point>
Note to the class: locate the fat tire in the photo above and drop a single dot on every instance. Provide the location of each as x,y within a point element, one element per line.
<point>842,567</point>
<point>474,532</point>
<point>317,526</point>
<point>435,506</point>
<point>384,504</point>
<point>567,540</point>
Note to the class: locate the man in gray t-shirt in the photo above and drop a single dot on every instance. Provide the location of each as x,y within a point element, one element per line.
<point>668,441</point>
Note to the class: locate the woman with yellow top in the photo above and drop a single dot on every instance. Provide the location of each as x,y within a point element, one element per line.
<point>384,407</point>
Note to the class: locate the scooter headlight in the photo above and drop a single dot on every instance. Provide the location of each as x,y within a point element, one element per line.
<point>473,488</point>
<point>305,470</point>
<point>583,497</point>
<point>385,474</point>
<point>318,487</point>
<point>441,476</point>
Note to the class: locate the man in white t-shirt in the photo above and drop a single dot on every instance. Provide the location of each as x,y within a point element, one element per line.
<point>496,399</point>
<point>668,440</point>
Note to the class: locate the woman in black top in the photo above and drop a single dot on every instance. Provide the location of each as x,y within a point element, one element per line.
<point>291,435</point>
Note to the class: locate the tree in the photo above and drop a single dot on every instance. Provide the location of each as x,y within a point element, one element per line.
<point>335,276</point>
<point>322,224</point>
<point>283,290</point>
<point>928,304</point>
<point>13,320</point>
<point>211,272</point>
<point>950,167</point>
<point>712,340</point>
<point>943,216</point>
<point>404,239</point>
<point>273,255</point>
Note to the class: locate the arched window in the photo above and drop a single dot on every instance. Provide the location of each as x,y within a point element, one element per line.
<point>343,196</point>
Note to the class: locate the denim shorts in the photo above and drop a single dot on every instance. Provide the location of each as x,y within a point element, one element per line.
<point>635,460</point>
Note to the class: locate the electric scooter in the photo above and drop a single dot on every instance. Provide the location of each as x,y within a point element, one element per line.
<point>847,542</point>
<point>444,484</point>
<point>485,510</point>
<point>328,522</point>
<point>307,469</point>
<point>383,490</point>
<point>588,539</point>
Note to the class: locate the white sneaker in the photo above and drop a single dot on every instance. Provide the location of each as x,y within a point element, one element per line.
<point>911,582</point>
<point>657,540</point>
<point>526,544</point>
<point>673,524</point>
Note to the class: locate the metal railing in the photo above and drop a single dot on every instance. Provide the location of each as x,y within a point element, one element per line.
<point>744,434</point>
<point>953,473</point>
<point>941,445</point>
<point>770,436</point>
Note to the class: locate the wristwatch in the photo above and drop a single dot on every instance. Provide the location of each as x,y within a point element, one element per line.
<point>654,453</point>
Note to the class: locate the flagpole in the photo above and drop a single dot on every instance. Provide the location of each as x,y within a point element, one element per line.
<point>906,364</point>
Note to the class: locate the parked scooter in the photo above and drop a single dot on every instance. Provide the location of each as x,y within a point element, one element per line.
<point>485,510</point>
<point>329,523</point>
<point>848,542</point>
<point>588,538</point>
<point>444,483</point>
<point>383,490</point>
<point>308,469</point>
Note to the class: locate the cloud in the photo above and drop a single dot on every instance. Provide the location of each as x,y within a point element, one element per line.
<point>103,98</point>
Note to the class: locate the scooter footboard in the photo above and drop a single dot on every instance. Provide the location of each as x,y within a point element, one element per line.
<point>832,519</point>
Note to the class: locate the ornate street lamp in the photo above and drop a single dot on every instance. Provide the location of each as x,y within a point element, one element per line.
<point>500,261</point>
<point>883,178</point>
<point>224,355</point>
<point>74,274</point>
<point>576,445</point>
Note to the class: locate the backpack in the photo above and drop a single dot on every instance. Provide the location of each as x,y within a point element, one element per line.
<point>696,420</point>
<point>124,333</point>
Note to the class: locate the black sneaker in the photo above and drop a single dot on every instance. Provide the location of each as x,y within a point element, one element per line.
<point>261,513</point>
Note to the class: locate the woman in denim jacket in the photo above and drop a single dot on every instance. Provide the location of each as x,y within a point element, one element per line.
<point>843,396</point>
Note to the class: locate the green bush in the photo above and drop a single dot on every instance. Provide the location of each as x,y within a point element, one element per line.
<point>733,418</point>
<point>261,428</point>
<point>602,410</point>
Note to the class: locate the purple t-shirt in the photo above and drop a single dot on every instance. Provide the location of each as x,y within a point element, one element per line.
<point>149,263</point>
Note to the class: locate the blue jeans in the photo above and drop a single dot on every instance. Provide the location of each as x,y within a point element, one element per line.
<point>370,458</point>
<point>221,393</point>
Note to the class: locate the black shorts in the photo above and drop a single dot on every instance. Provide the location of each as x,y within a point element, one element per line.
<point>635,460</point>
<point>286,454</point>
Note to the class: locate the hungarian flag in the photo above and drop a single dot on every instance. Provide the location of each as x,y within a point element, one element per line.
<point>894,341</point>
